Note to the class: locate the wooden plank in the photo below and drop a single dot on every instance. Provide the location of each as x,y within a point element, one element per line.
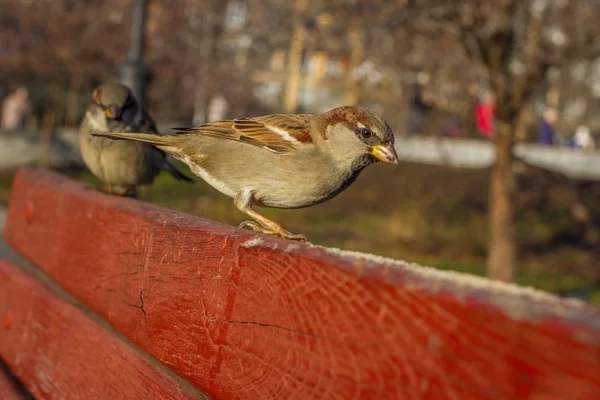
<point>59,353</point>
<point>9,389</point>
<point>244,316</point>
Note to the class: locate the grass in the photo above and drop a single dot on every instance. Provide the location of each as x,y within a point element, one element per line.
<point>6,178</point>
<point>430,215</point>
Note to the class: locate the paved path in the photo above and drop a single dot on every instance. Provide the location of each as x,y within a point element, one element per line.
<point>470,153</point>
<point>23,148</point>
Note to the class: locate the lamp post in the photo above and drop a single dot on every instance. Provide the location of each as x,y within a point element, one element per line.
<point>134,73</point>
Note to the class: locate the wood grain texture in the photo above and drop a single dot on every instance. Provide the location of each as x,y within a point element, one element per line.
<point>244,316</point>
<point>59,353</point>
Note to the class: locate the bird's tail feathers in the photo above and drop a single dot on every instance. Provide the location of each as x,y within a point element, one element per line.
<point>162,142</point>
<point>152,138</point>
<point>168,143</point>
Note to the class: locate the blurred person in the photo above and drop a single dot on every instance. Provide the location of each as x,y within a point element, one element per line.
<point>582,139</point>
<point>485,113</point>
<point>546,128</point>
<point>15,109</point>
<point>420,106</point>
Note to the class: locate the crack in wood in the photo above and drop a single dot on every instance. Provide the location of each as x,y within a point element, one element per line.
<point>127,253</point>
<point>140,307</point>
<point>283,328</point>
<point>142,302</point>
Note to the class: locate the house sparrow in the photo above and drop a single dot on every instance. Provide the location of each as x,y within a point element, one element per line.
<point>282,160</point>
<point>120,165</point>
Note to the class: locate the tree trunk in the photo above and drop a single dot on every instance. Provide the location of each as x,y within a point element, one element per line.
<point>357,54</point>
<point>214,12</point>
<point>48,124</point>
<point>72,106</point>
<point>294,70</point>
<point>501,259</point>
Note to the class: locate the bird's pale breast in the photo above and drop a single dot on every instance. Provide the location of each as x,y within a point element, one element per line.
<point>119,163</point>
<point>278,180</point>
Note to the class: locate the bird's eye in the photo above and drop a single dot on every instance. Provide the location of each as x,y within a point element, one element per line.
<point>366,133</point>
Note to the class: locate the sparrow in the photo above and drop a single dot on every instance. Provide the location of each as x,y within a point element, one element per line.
<point>279,161</point>
<point>122,166</point>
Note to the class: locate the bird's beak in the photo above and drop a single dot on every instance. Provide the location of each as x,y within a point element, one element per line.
<point>112,112</point>
<point>386,154</point>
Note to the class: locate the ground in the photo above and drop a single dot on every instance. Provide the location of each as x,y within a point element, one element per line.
<point>426,214</point>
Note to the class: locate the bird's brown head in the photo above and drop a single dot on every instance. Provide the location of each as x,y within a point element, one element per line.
<point>113,100</point>
<point>358,133</point>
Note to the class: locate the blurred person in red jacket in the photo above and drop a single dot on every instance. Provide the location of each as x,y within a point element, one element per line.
<point>485,113</point>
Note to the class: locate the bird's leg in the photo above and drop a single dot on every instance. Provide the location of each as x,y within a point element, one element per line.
<point>128,191</point>
<point>243,202</point>
<point>269,227</point>
<point>108,189</point>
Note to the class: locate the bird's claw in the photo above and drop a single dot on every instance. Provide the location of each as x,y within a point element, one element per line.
<point>250,224</point>
<point>282,233</point>
<point>129,191</point>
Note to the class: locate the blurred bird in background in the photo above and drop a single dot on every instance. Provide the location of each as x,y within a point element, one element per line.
<point>281,160</point>
<point>123,165</point>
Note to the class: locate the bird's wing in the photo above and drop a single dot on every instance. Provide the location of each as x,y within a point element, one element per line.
<point>147,124</point>
<point>279,132</point>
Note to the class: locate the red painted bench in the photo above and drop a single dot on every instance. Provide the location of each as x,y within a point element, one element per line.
<point>125,300</point>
